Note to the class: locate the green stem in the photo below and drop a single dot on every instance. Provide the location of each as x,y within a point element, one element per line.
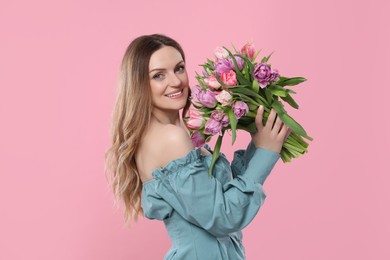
<point>216,153</point>
<point>284,156</point>
<point>294,148</point>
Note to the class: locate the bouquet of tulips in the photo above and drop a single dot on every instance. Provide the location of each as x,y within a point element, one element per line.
<point>230,90</point>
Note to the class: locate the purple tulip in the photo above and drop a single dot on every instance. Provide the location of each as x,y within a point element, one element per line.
<point>223,65</point>
<point>197,139</point>
<point>220,116</point>
<point>264,74</point>
<point>226,65</point>
<point>225,121</point>
<point>240,108</point>
<point>194,95</point>
<point>207,98</point>
<point>212,127</point>
<point>240,63</point>
<point>217,115</point>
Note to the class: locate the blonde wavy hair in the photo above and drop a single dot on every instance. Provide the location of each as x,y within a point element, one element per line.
<point>130,118</point>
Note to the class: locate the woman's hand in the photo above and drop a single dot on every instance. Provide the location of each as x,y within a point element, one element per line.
<point>271,136</point>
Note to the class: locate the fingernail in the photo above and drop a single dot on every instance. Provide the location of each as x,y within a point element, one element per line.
<point>261,107</point>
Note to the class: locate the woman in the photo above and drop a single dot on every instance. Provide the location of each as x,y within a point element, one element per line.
<point>156,170</point>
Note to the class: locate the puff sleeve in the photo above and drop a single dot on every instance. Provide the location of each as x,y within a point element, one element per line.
<point>242,159</point>
<point>220,208</point>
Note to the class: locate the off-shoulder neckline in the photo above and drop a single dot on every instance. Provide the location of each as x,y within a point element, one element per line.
<point>189,157</point>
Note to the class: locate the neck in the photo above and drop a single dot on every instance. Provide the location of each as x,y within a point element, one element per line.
<point>167,117</point>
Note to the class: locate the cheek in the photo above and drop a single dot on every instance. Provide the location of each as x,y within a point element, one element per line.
<point>184,78</point>
<point>156,88</point>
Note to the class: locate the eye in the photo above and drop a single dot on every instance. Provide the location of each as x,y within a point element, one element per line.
<point>158,76</point>
<point>180,69</point>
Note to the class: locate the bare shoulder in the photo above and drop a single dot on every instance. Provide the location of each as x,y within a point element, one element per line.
<point>162,144</point>
<point>174,143</point>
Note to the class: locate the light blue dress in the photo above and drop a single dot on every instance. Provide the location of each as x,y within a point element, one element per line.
<point>204,214</point>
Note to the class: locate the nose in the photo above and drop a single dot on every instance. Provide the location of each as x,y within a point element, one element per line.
<point>174,80</point>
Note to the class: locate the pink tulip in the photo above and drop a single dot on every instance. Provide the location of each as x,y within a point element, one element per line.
<point>221,53</point>
<point>248,50</point>
<point>224,98</point>
<point>195,121</point>
<point>229,78</point>
<point>212,82</point>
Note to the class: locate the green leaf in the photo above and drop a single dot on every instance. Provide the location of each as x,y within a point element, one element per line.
<point>268,95</point>
<point>234,61</point>
<point>207,66</point>
<point>248,99</point>
<point>256,101</point>
<point>252,107</point>
<point>278,91</point>
<point>245,120</point>
<point>251,114</point>
<point>291,91</point>
<point>233,124</point>
<point>234,48</point>
<point>290,81</point>
<point>291,123</point>
<point>246,91</point>
<point>265,59</point>
<point>255,86</point>
<point>211,62</point>
<point>278,106</point>
<point>246,72</point>
<point>248,62</point>
<point>240,77</point>
<point>251,128</point>
<point>290,101</point>
<point>256,54</point>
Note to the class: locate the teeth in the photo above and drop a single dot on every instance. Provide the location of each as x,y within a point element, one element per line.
<point>175,94</point>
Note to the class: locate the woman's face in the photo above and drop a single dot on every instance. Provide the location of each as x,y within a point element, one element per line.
<point>168,79</point>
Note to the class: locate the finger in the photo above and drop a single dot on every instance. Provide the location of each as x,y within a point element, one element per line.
<point>288,132</point>
<point>259,117</point>
<point>283,131</point>
<point>270,119</point>
<point>278,124</point>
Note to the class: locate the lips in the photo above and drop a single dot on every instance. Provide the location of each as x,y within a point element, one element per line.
<point>175,94</point>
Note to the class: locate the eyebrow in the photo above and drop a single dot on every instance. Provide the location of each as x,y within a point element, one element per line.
<point>164,69</point>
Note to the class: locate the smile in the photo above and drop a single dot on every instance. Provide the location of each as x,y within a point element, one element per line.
<point>175,95</point>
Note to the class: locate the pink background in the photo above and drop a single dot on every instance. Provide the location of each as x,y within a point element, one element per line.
<point>59,65</point>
